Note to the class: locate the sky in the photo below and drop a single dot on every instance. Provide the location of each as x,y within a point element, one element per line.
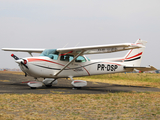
<point>69,23</point>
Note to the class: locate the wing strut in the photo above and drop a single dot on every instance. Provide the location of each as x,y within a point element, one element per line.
<point>30,53</point>
<point>69,63</point>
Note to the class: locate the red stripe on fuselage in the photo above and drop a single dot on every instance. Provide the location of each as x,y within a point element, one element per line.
<point>86,70</point>
<point>129,53</point>
<point>134,56</point>
<point>37,59</point>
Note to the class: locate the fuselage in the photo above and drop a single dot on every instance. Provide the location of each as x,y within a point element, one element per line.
<point>45,67</point>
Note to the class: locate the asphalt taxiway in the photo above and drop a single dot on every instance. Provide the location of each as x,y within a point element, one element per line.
<point>13,83</point>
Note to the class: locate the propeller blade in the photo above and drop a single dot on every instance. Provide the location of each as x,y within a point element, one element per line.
<point>15,57</point>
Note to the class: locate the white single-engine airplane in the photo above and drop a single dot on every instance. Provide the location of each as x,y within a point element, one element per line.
<point>71,62</point>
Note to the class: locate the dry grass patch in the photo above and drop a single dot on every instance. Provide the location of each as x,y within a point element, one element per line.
<point>92,106</point>
<point>12,72</point>
<point>4,81</point>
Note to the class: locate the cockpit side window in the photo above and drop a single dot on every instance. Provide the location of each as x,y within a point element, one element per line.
<point>67,58</point>
<point>80,59</point>
<point>51,53</point>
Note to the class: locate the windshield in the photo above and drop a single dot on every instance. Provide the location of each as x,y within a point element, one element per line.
<point>88,59</point>
<point>51,53</point>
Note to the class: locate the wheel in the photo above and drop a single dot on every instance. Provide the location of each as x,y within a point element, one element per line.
<point>78,87</point>
<point>48,86</point>
<point>33,87</point>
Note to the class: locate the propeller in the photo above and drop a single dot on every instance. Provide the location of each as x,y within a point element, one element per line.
<point>15,57</point>
<point>20,61</point>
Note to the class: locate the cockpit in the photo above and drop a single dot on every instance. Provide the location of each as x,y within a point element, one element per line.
<point>53,54</point>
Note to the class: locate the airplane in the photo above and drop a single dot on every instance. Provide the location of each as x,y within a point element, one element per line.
<point>53,64</point>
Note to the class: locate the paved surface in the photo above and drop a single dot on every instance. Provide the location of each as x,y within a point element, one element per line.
<point>12,83</point>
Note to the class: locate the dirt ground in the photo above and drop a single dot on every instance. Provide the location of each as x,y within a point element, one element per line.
<point>15,83</point>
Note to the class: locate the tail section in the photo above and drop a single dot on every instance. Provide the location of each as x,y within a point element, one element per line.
<point>134,56</point>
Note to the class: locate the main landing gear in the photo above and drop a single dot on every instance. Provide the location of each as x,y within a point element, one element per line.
<point>48,82</point>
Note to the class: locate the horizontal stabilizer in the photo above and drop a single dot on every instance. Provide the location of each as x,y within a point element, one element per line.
<point>150,68</point>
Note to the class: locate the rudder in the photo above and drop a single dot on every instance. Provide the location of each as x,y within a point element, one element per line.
<point>134,56</point>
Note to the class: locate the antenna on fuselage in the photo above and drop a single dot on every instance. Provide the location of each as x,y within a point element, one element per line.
<point>76,44</point>
<point>65,45</point>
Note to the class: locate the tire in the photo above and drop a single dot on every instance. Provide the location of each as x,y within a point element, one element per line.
<point>48,86</point>
<point>33,87</point>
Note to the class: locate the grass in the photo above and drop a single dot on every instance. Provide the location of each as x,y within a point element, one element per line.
<point>131,105</point>
<point>133,79</point>
<point>86,106</point>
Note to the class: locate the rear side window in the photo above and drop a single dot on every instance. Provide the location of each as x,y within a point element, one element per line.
<point>66,58</point>
<point>80,59</point>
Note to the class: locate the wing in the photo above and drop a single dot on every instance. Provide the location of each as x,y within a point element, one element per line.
<point>98,49</point>
<point>24,50</point>
<point>87,49</point>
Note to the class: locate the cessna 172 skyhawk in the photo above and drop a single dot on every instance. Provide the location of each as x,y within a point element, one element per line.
<point>71,62</point>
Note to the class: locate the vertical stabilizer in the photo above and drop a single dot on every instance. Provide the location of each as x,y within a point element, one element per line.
<point>134,56</point>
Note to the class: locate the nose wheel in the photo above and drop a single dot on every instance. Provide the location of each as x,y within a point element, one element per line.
<point>35,84</point>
